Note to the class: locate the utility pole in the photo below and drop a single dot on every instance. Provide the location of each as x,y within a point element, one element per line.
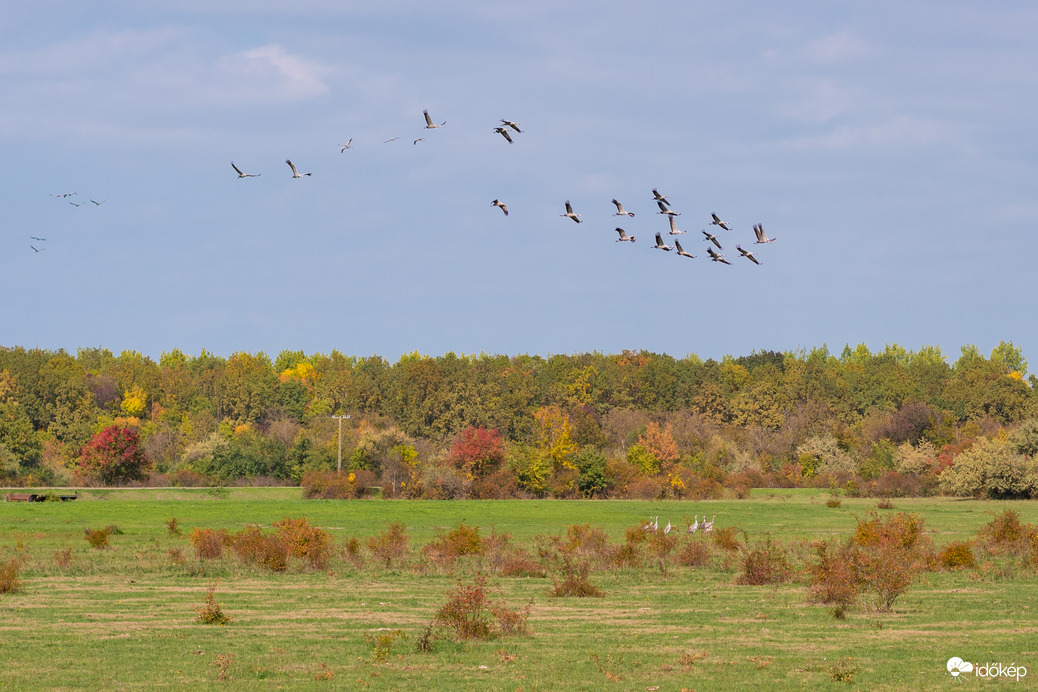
<point>339,470</point>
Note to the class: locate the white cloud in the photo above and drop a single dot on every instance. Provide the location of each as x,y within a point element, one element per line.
<point>272,72</point>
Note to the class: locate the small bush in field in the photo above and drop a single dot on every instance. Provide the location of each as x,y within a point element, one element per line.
<point>381,644</point>
<point>9,575</point>
<point>330,485</point>
<point>726,539</point>
<point>208,543</point>
<point>694,554</point>
<point>469,613</point>
<point>833,502</point>
<point>459,541</point>
<point>351,551</point>
<point>210,613</point>
<point>1005,528</point>
<point>885,503</point>
<point>587,541</point>
<point>390,545</point>
<point>176,556</point>
<point>573,578</point>
<point>957,555</point>
<point>305,541</point>
<point>833,578</point>
<point>902,529</point>
<point>628,555</point>
<point>254,547</point>
<point>97,538</point>
<point>63,558</point>
<point>767,563</point>
<point>172,527</point>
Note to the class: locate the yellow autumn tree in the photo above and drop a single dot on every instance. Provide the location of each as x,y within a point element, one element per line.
<point>552,436</point>
<point>134,401</point>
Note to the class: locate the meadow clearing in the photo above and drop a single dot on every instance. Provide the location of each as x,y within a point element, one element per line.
<point>127,615</point>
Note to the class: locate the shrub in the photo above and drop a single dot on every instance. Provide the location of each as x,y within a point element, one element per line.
<point>992,467</point>
<point>833,578</point>
<point>63,558</point>
<point>957,555</point>
<point>833,502</point>
<point>470,614</point>
<point>254,547</point>
<point>305,541</point>
<point>390,545</point>
<point>97,538</point>
<point>208,543</point>
<point>114,455</point>
<point>885,503</point>
<point>9,575</point>
<point>381,644</point>
<point>459,541</point>
<point>210,612</point>
<point>694,554</point>
<point>573,578</point>
<point>725,539</point>
<point>330,485</point>
<point>766,563</point>
<point>351,551</point>
<point>172,527</point>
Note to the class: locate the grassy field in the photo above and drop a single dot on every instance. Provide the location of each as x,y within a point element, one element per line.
<point>125,617</point>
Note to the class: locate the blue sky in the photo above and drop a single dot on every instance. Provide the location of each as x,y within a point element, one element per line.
<point>888,147</point>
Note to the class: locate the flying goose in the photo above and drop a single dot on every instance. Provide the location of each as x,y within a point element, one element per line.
<point>504,133</point>
<point>391,139</point>
<point>96,203</point>
<point>501,205</point>
<point>244,175</point>
<point>659,198</point>
<point>429,124</point>
<point>295,173</point>
<point>513,125</point>
<point>716,257</point>
<point>64,195</point>
<point>673,227</point>
<point>569,213</point>
<point>717,222</point>
<point>758,230</point>
<point>747,255</point>
<point>36,248</point>
<point>36,238</point>
<point>346,145</point>
<point>666,210</point>
<point>681,252</point>
<point>417,140</point>
<point>712,238</point>
<point>660,245</point>
<point>620,211</point>
<point>624,237</point>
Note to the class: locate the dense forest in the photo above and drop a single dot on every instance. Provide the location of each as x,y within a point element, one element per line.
<point>635,424</point>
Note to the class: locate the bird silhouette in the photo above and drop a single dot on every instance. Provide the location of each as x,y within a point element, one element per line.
<point>716,257</point>
<point>660,245</point>
<point>504,133</point>
<point>713,239</point>
<point>681,252</point>
<point>501,205</point>
<point>620,211</point>
<point>659,198</point>
<point>717,222</point>
<point>569,212</point>
<point>664,209</point>
<point>624,237</point>
<point>674,227</point>
<point>758,230</point>
<point>748,255</point>
<point>244,175</point>
<point>511,124</point>
<point>346,145</point>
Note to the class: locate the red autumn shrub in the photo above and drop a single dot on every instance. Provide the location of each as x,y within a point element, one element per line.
<point>114,455</point>
<point>477,451</point>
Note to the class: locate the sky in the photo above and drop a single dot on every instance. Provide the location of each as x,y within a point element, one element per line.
<point>888,147</point>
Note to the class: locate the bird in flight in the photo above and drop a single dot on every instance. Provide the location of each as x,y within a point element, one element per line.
<point>569,212</point>
<point>346,145</point>
<point>504,133</point>
<point>387,141</point>
<point>624,237</point>
<point>620,211</point>
<point>96,203</point>
<point>513,125</point>
<point>748,255</point>
<point>35,248</point>
<point>673,227</point>
<point>681,251</point>
<point>713,239</point>
<point>244,175</point>
<point>35,238</point>
<point>64,195</point>
<point>295,173</point>
<point>76,205</point>
<point>660,245</point>
<point>714,257</point>
<point>417,140</point>
<point>429,124</point>
<point>501,205</point>
<point>664,209</point>
<point>659,198</point>
<point>758,230</point>
<point>717,222</point>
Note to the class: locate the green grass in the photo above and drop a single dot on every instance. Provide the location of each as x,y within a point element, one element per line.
<point>124,618</point>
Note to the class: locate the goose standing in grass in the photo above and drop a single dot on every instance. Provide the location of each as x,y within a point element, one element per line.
<point>295,172</point>
<point>717,222</point>
<point>758,230</point>
<point>511,124</point>
<point>716,257</point>
<point>624,237</point>
<point>504,133</point>
<point>708,526</point>
<point>664,209</point>
<point>695,525</point>
<point>620,211</point>
<point>660,245</point>
<point>674,227</point>
<point>569,212</point>
<point>244,175</point>
<point>667,530</point>
<point>748,255</point>
<point>681,252</point>
<point>713,239</point>
<point>500,205</point>
<point>429,124</point>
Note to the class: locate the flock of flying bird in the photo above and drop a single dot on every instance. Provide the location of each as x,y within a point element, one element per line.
<point>507,130</point>
<point>653,524</point>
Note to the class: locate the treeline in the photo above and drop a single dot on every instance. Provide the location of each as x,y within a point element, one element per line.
<point>594,425</point>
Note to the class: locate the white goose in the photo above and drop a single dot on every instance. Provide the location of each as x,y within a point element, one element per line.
<point>667,530</point>
<point>620,211</point>
<point>429,124</point>
<point>295,172</point>
<point>674,227</point>
<point>664,209</point>
<point>717,222</point>
<point>681,252</point>
<point>244,175</point>
<point>748,255</point>
<point>504,133</point>
<point>624,237</point>
<point>716,257</point>
<point>758,230</point>
<point>500,205</point>
<point>695,525</point>
<point>660,245</point>
<point>569,213</point>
